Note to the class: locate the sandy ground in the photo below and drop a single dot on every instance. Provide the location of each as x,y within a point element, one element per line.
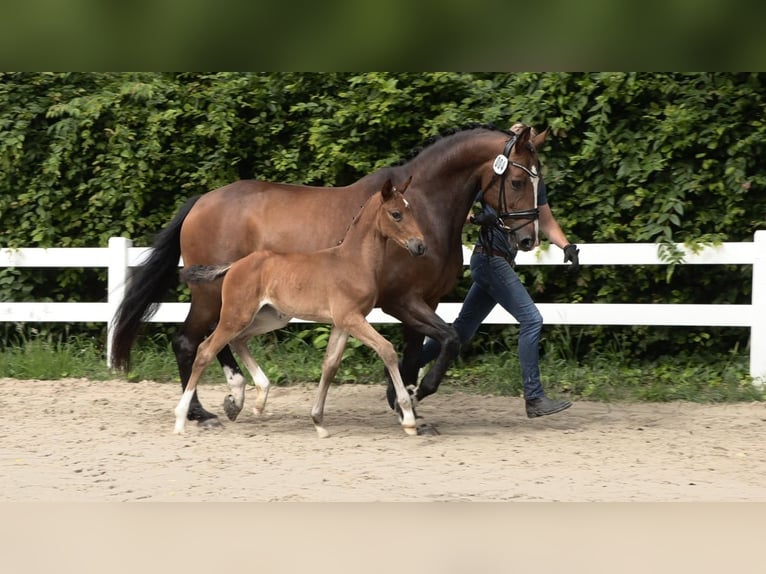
<point>80,440</point>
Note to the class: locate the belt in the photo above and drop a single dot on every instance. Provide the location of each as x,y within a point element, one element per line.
<point>492,252</point>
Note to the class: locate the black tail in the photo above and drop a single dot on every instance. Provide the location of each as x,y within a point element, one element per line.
<point>149,284</point>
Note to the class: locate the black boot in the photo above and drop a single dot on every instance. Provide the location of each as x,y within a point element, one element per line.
<point>542,406</point>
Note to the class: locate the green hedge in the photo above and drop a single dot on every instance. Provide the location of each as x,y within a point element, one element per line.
<point>632,157</point>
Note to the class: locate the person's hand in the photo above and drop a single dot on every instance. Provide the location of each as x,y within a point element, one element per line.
<point>483,218</point>
<point>571,253</point>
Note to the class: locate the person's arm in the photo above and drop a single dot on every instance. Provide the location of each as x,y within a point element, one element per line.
<point>552,230</point>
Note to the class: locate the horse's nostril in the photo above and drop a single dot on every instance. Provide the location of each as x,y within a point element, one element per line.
<point>525,244</point>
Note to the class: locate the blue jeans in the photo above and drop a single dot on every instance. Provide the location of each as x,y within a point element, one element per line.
<point>495,282</point>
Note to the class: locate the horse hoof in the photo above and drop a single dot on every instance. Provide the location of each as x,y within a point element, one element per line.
<point>209,424</point>
<point>426,429</point>
<point>230,408</point>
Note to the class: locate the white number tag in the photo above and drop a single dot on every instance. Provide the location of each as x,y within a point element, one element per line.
<point>500,165</point>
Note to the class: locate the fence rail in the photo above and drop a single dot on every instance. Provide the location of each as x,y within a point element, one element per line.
<point>120,256</point>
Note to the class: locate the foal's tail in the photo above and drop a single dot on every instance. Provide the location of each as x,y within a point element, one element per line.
<point>203,273</point>
<point>149,284</point>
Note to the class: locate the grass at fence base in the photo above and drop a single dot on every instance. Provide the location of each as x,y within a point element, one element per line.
<point>604,377</point>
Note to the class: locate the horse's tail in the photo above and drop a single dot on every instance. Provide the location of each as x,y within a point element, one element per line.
<point>203,273</point>
<point>150,283</point>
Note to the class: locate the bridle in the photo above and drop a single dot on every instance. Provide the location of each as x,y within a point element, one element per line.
<point>500,168</point>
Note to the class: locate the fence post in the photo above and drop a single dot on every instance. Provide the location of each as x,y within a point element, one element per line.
<point>758,329</point>
<point>118,273</point>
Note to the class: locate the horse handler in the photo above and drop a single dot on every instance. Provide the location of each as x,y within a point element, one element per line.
<point>496,282</point>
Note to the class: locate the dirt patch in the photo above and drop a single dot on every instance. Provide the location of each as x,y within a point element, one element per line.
<point>78,440</point>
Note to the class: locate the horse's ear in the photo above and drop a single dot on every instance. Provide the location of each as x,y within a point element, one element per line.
<point>539,139</point>
<point>387,191</point>
<point>523,137</point>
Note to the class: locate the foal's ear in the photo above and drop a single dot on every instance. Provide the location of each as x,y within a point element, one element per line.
<point>387,191</point>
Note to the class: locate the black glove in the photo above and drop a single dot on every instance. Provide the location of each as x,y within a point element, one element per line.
<point>571,253</point>
<point>483,218</point>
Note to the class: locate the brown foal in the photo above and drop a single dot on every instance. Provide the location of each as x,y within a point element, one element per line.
<point>264,290</point>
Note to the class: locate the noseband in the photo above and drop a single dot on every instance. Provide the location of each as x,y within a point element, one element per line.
<point>500,167</point>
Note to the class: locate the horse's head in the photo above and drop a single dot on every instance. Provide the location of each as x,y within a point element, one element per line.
<point>396,220</point>
<point>517,188</point>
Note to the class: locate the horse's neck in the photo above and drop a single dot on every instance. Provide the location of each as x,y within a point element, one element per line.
<point>449,178</point>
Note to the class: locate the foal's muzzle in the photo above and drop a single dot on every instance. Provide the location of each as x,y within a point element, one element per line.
<point>416,247</point>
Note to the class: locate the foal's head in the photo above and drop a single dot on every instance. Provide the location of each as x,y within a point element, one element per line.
<point>520,192</point>
<point>396,221</point>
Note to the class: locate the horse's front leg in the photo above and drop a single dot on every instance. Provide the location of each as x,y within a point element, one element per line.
<point>409,366</point>
<point>421,317</point>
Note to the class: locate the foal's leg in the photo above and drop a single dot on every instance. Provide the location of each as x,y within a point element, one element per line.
<point>206,352</point>
<point>204,313</point>
<point>233,321</point>
<point>232,373</point>
<point>367,334</point>
<point>185,346</point>
<point>332,358</point>
<point>233,404</point>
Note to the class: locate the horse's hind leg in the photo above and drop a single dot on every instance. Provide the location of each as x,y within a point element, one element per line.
<point>233,403</point>
<point>205,354</point>
<point>335,346</point>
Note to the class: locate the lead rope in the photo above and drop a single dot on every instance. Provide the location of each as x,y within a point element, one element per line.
<point>353,219</point>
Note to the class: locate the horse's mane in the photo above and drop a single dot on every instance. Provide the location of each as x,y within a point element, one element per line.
<point>446,133</point>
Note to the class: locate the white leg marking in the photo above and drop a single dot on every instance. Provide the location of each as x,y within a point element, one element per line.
<point>182,410</point>
<point>262,382</point>
<point>236,383</point>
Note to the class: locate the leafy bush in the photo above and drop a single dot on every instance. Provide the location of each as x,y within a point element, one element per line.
<point>660,157</point>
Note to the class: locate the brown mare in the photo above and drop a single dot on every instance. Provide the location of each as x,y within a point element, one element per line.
<point>228,223</point>
<point>337,285</point>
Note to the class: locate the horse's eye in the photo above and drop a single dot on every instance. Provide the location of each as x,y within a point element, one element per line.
<point>517,183</point>
<point>396,215</point>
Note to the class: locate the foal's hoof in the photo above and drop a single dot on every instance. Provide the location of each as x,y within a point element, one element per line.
<point>210,424</point>
<point>230,408</point>
<point>426,429</point>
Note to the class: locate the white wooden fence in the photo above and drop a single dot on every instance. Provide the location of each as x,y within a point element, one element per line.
<point>120,256</point>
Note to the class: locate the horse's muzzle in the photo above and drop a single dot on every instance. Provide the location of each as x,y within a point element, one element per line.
<point>526,243</point>
<point>416,247</point>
